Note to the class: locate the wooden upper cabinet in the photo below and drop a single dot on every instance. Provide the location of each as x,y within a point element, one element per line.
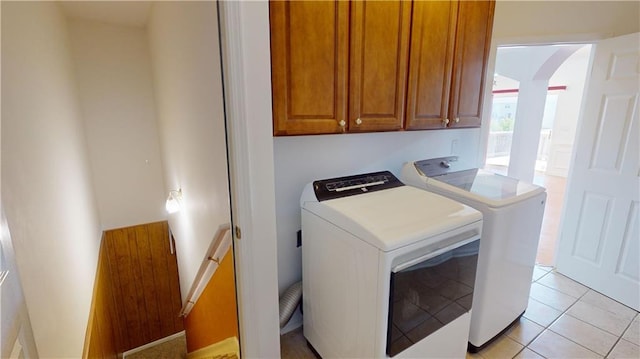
<point>431,63</point>
<point>473,38</point>
<point>378,64</point>
<point>447,66</point>
<point>364,66</point>
<point>309,66</point>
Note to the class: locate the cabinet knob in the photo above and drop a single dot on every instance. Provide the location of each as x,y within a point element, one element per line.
<point>342,123</point>
<point>457,119</point>
<point>358,121</point>
<point>445,122</point>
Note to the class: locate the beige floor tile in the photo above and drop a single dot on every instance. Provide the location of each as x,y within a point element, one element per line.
<point>608,304</point>
<point>632,333</point>
<point>474,356</point>
<point>599,317</point>
<point>547,268</point>
<point>527,353</point>
<point>538,272</point>
<point>625,350</point>
<point>524,331</point>
<point>585,334</point>
<point>552,345</point>
<point>551,297</point>
<point>563,284</point>
<point>541,313</point>
<point>503,347</point>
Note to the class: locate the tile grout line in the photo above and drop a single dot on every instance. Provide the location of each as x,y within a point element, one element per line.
<point>560,316</point>
<point>526,346</point>
<point>555,320</point>
<point>604,330</point>
<point>619,337</point>
<point>565,312</point>
<point>558,290</point>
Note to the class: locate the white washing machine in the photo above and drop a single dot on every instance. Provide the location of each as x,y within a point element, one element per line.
<point>512,213</point>
<point>388,269</point>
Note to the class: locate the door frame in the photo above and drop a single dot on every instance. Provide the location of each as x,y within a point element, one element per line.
<point>246,57</point>
<point>488,97</point>
<point>491,66</point>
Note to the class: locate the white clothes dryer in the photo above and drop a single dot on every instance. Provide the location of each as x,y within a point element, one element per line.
<point>388,270</point>
<point>512,212</point>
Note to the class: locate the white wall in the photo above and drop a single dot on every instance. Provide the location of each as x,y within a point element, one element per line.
<point>46,183</point>
<point>186,62</point>
<point>572,73</point>
<point>563,20</point>
<point>113,72</point>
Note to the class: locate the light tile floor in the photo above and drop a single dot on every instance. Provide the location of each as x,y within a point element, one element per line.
<point>564,319</point>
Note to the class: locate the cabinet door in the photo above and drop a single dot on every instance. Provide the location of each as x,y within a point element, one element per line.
<point>309,60</point>
<point>430,63</point>
<point>378,64</point>
<point>473,38</point>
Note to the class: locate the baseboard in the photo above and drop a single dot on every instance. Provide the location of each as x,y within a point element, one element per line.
<point>152,344</point>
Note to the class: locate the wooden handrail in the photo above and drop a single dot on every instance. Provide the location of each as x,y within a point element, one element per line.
<point>219,246</point>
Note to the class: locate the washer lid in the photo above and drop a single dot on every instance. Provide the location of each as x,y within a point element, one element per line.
<point>487,187</point>
<point>396,217</point>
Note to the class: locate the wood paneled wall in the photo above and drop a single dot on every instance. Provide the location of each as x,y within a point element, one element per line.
<point>145,281</point>
<point>100,340</point>
<point>137,291</point>
<point>214,317</point>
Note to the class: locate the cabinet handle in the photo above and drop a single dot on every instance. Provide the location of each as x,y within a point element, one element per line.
<point>457,119</point>
<point>358,121</point>
<point>445,122</point>
<point>342,125</point>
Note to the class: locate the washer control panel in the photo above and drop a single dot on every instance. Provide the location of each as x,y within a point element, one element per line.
<point>353,185</point>
<point>437,166</point>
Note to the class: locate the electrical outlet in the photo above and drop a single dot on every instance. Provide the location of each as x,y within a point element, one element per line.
<point>454,146</point>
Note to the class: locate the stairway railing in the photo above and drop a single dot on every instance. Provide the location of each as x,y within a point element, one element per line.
<point>219,246</point>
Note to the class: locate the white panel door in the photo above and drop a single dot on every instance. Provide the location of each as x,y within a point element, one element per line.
<point>599,244</point>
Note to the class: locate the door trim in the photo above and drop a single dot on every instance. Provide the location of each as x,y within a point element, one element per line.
<point>244,32</point>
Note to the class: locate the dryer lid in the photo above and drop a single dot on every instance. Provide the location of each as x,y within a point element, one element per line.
<point>392,218</point>
<point>494,189</point>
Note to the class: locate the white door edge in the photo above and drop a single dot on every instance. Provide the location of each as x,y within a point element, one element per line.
<point>245,42</point>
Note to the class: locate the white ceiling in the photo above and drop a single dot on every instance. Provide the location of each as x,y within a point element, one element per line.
<point>131,13</point>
